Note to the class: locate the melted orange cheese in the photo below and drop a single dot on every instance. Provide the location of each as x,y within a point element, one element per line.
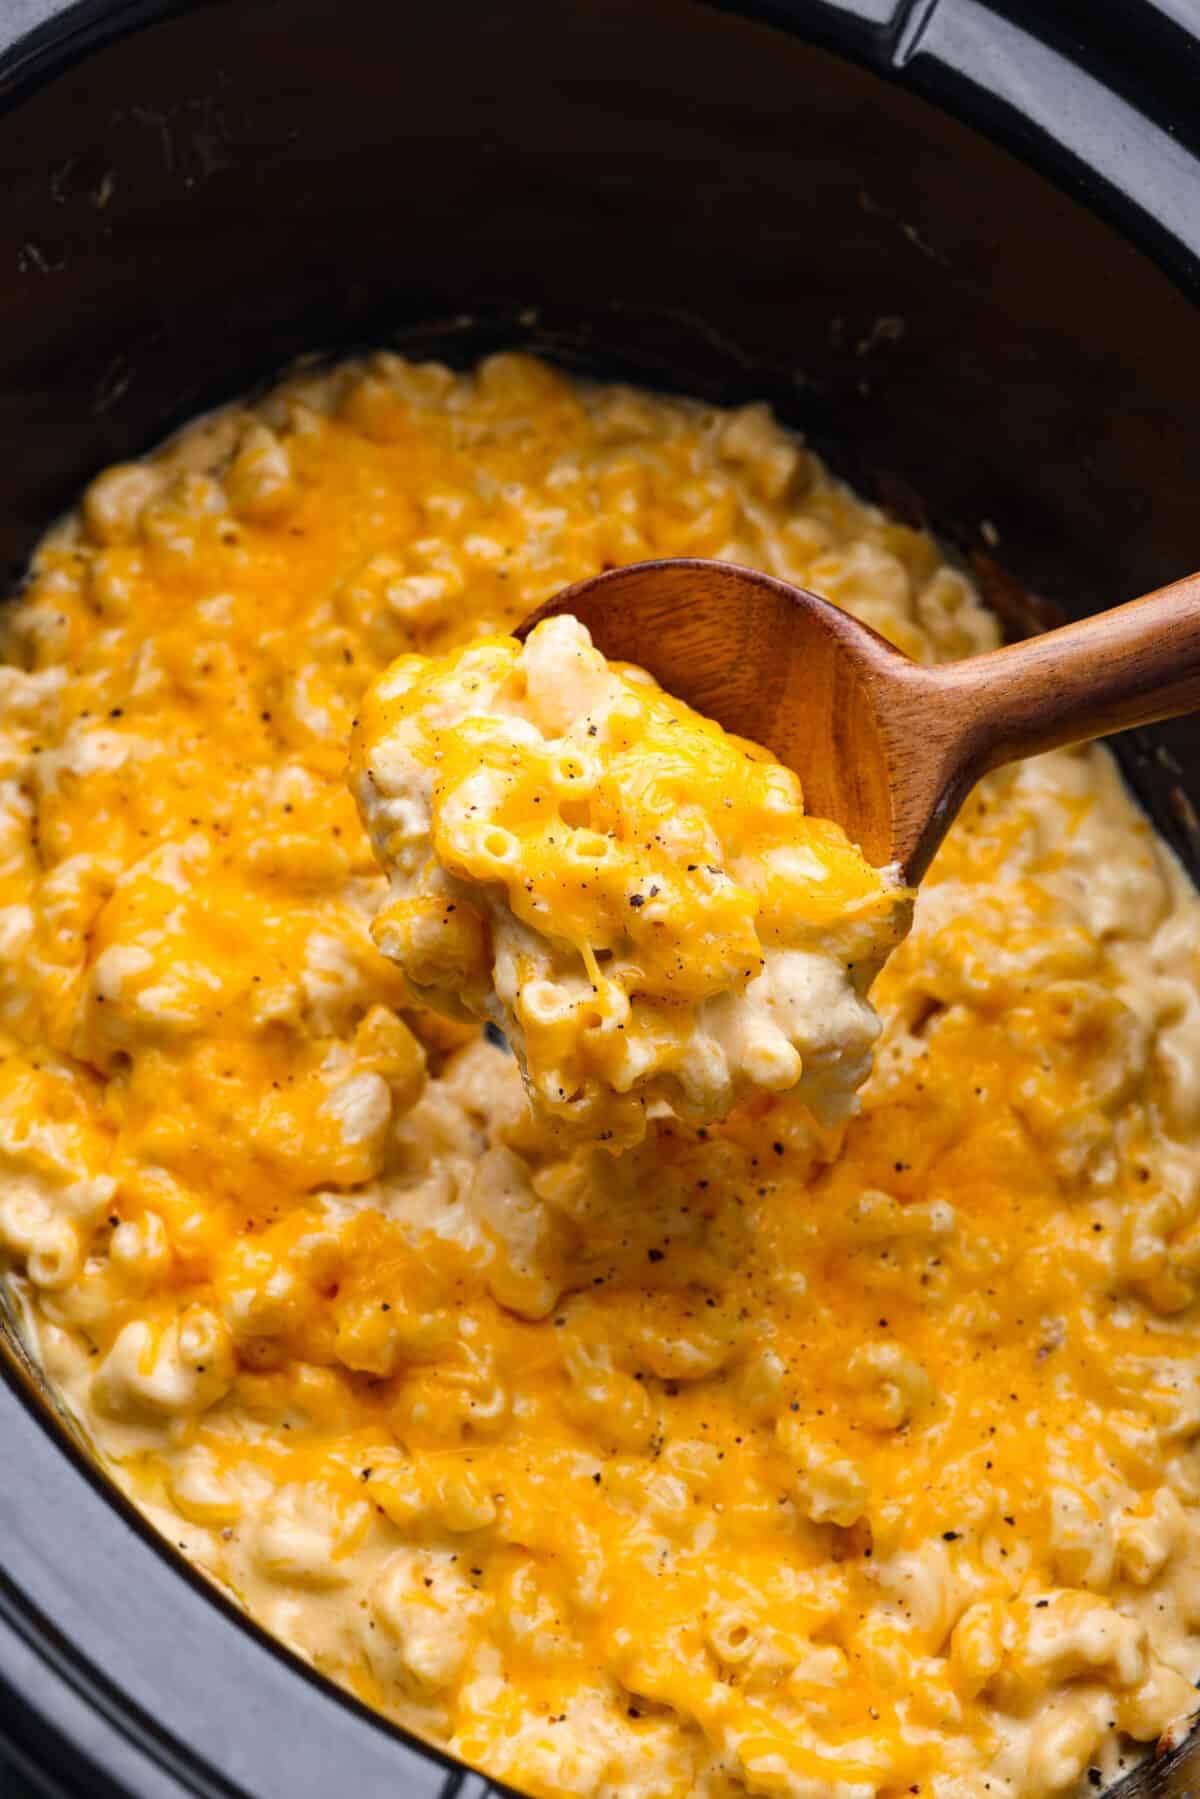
<point>662,777</point>
<point>638,896</point>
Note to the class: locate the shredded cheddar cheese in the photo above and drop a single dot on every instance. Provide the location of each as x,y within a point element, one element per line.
<point>636,896</point>
<point>770,1457</point>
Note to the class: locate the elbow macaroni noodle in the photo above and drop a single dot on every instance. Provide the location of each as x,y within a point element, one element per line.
<point>773,1456</point>
<point>636,895</point>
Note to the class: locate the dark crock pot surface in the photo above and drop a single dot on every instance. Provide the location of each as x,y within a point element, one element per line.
<point>13,1784</point>
<point>688,198</point>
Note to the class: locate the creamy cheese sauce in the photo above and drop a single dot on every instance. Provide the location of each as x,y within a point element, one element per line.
<point>636,896</point>
<point>769,1457</point>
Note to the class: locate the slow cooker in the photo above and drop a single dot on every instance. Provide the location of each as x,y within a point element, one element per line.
<point>956,243</point>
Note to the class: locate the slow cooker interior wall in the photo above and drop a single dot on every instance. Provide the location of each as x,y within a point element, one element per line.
<point>204,199</point>
<point>201,201</point>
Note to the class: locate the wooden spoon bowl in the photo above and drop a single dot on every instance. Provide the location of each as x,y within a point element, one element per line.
<point>887,746</point>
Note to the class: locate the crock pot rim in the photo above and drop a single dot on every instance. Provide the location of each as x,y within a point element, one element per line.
<point>999,70</point>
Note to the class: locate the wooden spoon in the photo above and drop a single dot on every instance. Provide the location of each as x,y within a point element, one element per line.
<point>884,745</point>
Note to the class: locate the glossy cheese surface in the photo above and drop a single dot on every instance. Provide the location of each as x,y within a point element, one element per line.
<point>635,896</point>
<point>768,1457</point>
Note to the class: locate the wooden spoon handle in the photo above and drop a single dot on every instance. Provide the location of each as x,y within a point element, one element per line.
<point>1131,666</point>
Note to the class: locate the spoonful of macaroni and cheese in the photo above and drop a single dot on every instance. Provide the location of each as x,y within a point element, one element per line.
<point>636,897</point>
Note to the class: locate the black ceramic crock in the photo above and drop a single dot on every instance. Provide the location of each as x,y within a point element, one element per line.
<point>957,243</point>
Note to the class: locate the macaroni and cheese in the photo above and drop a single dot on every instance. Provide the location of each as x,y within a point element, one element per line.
<point>772,1456</point>
<point>636,896</point>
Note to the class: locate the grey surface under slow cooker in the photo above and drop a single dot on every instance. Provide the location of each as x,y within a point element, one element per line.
<point>808,205</point>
